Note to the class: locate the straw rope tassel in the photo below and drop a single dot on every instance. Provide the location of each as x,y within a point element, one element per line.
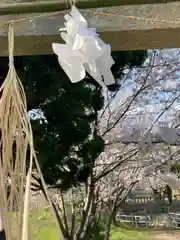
<point>27,140</point>
<point>28,132</point>
<point>16,136</point>
<point>16,145</point>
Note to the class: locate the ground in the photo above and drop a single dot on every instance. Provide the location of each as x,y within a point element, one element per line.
<point>42,227</point>
<point>167,236</point>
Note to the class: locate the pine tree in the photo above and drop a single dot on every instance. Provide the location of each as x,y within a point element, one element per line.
<point>62,115</point>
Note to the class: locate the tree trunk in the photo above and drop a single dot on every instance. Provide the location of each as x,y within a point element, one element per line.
<point>108,227</point>
<point>2,235</point>
<point>114,219</point>
<point>86,213</point>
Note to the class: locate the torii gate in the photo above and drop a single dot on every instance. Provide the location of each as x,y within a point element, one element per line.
<point>124,27</point>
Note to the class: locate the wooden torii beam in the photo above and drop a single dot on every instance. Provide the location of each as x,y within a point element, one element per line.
<point>125,27</point>
<point>61,5</point>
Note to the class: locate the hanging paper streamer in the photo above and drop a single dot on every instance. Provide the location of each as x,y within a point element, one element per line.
<point>83,51</point>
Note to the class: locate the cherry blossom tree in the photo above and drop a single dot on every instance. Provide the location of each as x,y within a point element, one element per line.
<point>139,123</point>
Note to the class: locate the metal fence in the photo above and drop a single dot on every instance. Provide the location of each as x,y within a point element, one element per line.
<point>147,220</point>
<point>175,220</point>
<point>134,220</point>
<point>140,200</point>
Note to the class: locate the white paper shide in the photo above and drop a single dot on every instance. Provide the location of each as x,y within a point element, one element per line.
<point>83,51</point>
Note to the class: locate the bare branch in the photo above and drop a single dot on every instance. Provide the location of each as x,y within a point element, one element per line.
<point>143,87</point>
<point>64,212</point>
<point>106,171</point>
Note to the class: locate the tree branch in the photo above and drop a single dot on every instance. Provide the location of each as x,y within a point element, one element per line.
<point>64,212</point>
<point>143,87</point>
<point>107,170</point>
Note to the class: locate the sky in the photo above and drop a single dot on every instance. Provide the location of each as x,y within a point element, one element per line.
<point>165,79</point>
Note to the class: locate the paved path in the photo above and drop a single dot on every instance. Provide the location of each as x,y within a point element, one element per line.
<point>167,236</point>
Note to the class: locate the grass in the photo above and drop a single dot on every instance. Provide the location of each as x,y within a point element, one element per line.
<point>127,234</point>
<point>44,228</point>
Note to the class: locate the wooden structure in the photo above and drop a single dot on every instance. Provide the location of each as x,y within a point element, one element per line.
<point>124,27</point>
